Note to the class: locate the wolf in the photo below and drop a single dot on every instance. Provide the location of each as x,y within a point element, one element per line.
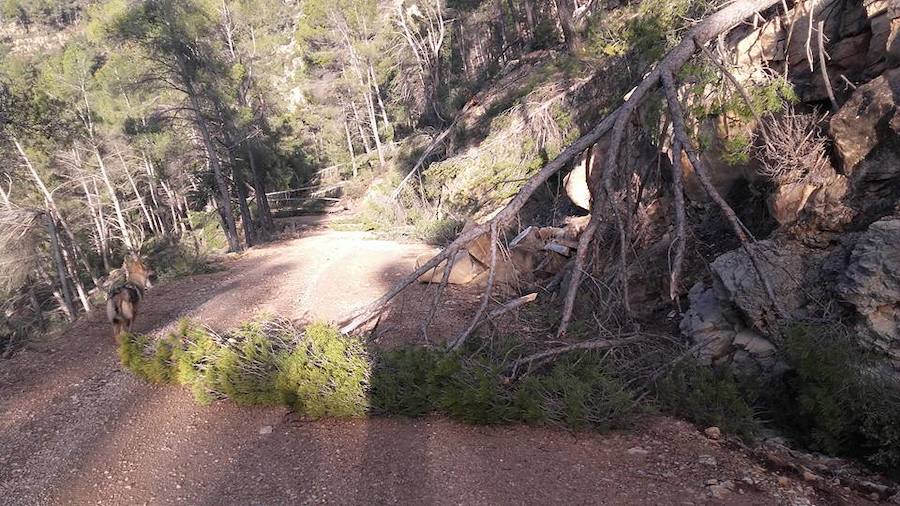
<point>122,304</point>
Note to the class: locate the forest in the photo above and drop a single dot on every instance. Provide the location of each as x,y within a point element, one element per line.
<point>572,214</point>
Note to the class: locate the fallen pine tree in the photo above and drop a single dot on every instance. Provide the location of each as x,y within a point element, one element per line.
<point>605,200</point>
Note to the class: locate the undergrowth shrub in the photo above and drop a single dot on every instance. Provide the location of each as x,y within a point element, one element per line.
<point>182,259</point>
<point>578,393</point>
<point>320,372</point>
<point>837,398</point>
<point>708,396</point>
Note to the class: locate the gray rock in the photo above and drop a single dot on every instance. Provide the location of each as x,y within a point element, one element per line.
<point>706,325</point>
<point>716,329</point>
<point>866,132</point>
<point>871,283</point>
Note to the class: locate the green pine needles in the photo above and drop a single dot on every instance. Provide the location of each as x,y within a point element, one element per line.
<point>321,373</point>
<point>315,370</point>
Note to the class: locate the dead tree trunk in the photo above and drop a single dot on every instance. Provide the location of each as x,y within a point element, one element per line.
<point>97,219</point>
<point>137,195</point>
<point>73,275</point>
<point>68,308</point>
<point>359,125</point>
<point>350,149</point>
<point>117,205</point>
<point>51,204</point>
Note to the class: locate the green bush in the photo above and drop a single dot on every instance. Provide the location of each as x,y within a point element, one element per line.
<point>181,259</point>
<point>438,231</point>
<point>707,396</point>
<point>320,372</point>
<point>326,374</point>
<point>315,370</point>
<point>403,382</point>
<point>577,394</point>
<point>836,399</point>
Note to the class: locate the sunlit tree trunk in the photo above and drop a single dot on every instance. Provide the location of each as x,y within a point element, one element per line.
<point>4,195</point>
<point>97,219</point>
<point>137,194</point>
<point>51,204</point>
<point>374,83</point>
<point>117,205</point>
<point>359,125</point>
<point>374,125</point>
<point>73,275</point>
<point>151,179</point>
<point>350,148</point>
<point>66,297</point>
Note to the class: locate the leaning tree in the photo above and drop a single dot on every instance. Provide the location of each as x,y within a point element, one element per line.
<point>606,201</point>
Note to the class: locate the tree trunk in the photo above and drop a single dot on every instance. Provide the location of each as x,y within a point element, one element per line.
<point>68,307</point>
<point>370,105</point>
<point>137,194</point>
<point>566,11</point>
<point>4,196</point>
<point>97,218</point>
<point>223,195</point>
<point>246,218</point>
<point>104,227</point>
<point>529,19</point>
<point>117,205</point>
<point>73,275</point>
<point>263,211</point>
<point>57,295</point>
<point>35,305</point>
<point>350,148</point>
<point>374,81</point>
<point>359,125</point>
<point>151,179</point>
<point>51,204</point>
<point>174,206</point>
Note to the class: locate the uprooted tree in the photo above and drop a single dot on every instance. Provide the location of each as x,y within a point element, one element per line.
<point>611,193</point>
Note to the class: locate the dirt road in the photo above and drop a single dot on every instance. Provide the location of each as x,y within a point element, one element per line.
<point>77,429</point>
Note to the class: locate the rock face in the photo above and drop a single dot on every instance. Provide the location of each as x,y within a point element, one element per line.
<point>866,134</point>
<point>871,283</point>
<point>715,327</point>
<point>870,118</point>
<point>792,270</point>
<point>734,321</point>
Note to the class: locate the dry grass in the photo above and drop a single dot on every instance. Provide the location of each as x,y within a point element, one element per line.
<point>796,149</point>
<point>19,237</point>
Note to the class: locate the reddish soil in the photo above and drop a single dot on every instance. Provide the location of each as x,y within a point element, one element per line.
<point>77,429</point>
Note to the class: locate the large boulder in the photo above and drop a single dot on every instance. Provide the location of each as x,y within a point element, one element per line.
<point>716,331</point>
<point>866,134</point>
<point>871,283</point>
<point>869,119</point>
<point>464,269</point>
<point>802,278</point>
<point>737,282</point>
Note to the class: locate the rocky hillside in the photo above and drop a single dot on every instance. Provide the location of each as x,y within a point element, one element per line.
<point>835,252</point>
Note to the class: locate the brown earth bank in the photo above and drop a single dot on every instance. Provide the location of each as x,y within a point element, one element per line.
<point>75,428</point>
